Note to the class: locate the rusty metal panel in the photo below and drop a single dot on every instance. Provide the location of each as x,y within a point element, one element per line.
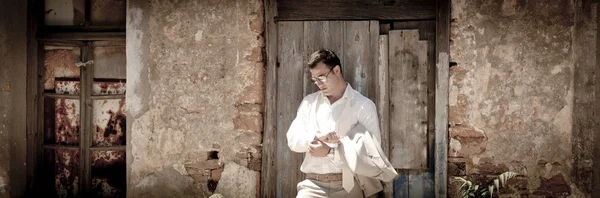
<point>108,12</point>
<point>108,87</point>
<point>109,121</point>
<point>67,121</point>
<point>66,173</point>
<point>59,62</point>
<point>108,173</point>
<point>69,86</point>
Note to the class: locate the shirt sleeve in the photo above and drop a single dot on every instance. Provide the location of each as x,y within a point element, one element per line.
<point>367,115</point>
<point>298,136</point>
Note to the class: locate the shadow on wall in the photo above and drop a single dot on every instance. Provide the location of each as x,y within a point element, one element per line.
<point>584,102</point>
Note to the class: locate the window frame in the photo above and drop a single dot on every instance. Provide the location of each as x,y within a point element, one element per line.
<point>40,35</point>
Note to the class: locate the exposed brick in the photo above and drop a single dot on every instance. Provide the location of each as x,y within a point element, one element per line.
<point>261,41</point>
<point>248,123</point>
<point>250,108</point>
<point>216,174</point>
<point>256,54</point>
<point>195,156</point>
<point>489,169</point>
<point>193,171</point>
<point>203,165</point>
<point>472,141</point>
<point>518,182</point>
<point>252,94</point>
<point>555,186</point>
<point>256,24</point>
<point>457,168</point>
<point>199,178</point>
<point>249,138</point>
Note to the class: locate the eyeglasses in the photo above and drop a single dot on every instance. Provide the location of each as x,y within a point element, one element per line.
<point>322,79</point>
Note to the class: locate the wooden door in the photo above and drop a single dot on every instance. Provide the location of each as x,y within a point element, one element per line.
<point>393,65</point>
<point>355,42</point>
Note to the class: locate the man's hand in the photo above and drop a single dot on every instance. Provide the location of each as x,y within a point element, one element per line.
<point>318,149</point>
<point>330,137</point>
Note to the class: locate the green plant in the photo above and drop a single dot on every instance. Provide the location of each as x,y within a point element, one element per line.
<point>468,189</point>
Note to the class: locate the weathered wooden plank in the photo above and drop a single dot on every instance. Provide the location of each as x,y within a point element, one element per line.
<point>420,183</point>
<point>360,61</point>
<point>356,10</point>
<point>408,99</point>
<point>268,169</point>
<point>401,184</point>
<point>319,35</point>
<point>596,173</point>
<point>426,28</point>
<point>289,96</point>
<point>383,96</point>
<point>426,32</point>
<point>441,97</point>
<point>383,104</point>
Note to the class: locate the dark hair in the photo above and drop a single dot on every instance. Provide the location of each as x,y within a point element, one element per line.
<point>325,56</point>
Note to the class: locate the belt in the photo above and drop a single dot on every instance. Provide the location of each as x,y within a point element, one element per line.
<point>325,177</point>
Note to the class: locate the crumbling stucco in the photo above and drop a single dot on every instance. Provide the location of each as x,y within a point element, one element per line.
<point>194,95</point>
<point>13,68</point>
<point>238,181</point>
<point>518,98</point>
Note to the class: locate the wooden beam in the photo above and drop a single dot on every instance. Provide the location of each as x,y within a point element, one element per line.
<point>34,150</point>
<point>60,28</point>
<point>596,159</point>
<point>441,97</point>
<point>85,133</point>
<point>383,104</point>
<point>268,175</point>
<point>87,36</point>
<point>356,10</point>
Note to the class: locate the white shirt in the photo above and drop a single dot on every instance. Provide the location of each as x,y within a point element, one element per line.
<point>327,116</point>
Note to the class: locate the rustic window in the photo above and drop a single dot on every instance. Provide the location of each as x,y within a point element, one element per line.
<point>82,83</point>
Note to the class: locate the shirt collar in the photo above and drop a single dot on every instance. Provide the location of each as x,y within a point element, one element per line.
<point>348,93</point>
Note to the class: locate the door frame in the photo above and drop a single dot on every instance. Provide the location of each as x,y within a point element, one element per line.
<point>442,60</point>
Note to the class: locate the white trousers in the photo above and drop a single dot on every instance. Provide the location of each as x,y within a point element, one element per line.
<point>310,188</point>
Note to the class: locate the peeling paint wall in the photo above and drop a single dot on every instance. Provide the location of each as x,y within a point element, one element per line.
<point>194,97</point>
<point>522,94</point>
<point>13,68</point>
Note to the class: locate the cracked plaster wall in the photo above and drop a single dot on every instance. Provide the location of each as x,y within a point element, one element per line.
<point>194,97</point>
<point>522,93</point>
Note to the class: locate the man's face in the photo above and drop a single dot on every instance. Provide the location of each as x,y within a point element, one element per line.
<point>321,73</point>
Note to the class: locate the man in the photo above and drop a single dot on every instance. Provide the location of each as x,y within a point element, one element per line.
<point>314,130</point>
